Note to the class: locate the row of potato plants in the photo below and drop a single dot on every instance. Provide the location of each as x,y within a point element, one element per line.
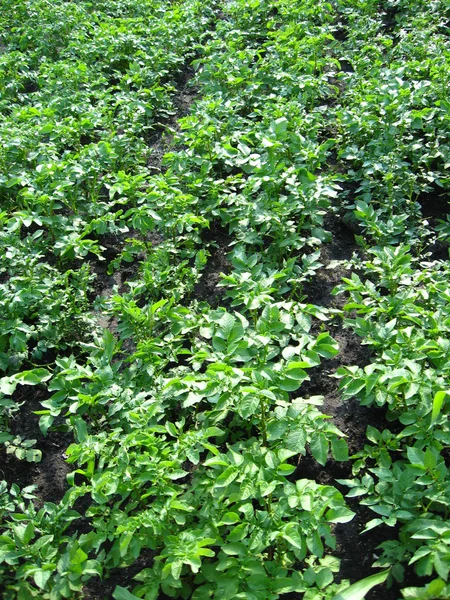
<point>398,293</point>
<point>188,420</point>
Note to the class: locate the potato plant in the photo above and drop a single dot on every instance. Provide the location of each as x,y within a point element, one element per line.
<point>190,422</point>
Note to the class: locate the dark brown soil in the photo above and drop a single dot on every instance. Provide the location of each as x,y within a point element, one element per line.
<point>357,552</point>
<point>218,242</point>
<point>49,475</point>
<point>435,203</point>
<point>98,589</point>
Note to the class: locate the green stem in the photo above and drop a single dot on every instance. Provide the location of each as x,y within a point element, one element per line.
<point>263,421</point>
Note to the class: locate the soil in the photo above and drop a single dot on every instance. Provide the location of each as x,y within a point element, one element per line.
<point>49,475</point>
<point>218,242</point>
<point>357,552</point>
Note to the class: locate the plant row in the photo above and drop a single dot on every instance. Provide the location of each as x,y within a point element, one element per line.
<point>188,418</point>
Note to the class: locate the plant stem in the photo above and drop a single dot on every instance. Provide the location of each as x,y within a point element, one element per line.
<point>263,421</point>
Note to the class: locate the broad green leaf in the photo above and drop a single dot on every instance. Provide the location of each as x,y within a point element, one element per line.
<point>430,460</point>
<point>438,401</point>
<point>33,456</point>
<point>276,430</point>
<point>226,477</point>
<point>319,448</point>
<point>171,429</point>
<point>373,434</point>
<point>289,384</point>
<point>296,440</point>
<point>125,542</point>
<point>121,593</point>
<point>294,370</point>
<point>227,587</point>
<point>339,449</point>
<point>415,456</point>
<point>292,535</point>
<point>229,518</point>
<point>326,350</point>
<point>339,515</point>
<point>431,590</point>
<point>78,557</point>
<point>41,577</point>
<point>177,474</point>
<point>45,422</point>
<point>247,489</point>
<point>267,488</point>
<point>25,533</point>
<point>80,428</point>
<point>314,543</point>
<point>225,325</point>
<point>32,377</point>
<point>235,548</point>
<point>248,405</point>
<point>175,568</point>
<point>442,563</point>
<point>358,590</point>
<point>238,533</point>
<point>271,460</point>
<point>354,387</point>
<point>324,577</point>
<point>285,469</point>
<point>7,386</point>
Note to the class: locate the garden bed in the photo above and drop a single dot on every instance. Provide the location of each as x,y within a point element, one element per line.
<point>224,308</point>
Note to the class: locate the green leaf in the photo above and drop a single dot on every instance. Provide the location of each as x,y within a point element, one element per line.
<point>78,557</point>
<point>80,427</point>
<point>226,324</point>
<point>121,593</point>
<point>430,460</point>
<point>285,469</point>
<point>355,386</point>
<point>314,543</point>
<point>290,385</point>
<point>33,456</point>
<point>229,518</point>
<point>339,449</point>
<point>438,401</point>
<point>358,590</point>
<point>7,386</point>
<point>177,474</point>
<point>324,578</point>
<point>238,533</point>
<point>294,371</point>
<point>339,515</point>
<point>415,456</point>
<point>20,532</point>
<point>28,534</point>
<point>319,448</point>
<point>227,587</point>
<point>292,535</point>
<point>171,429</point>
<point>32,377</point>
<point>125,542</point>
<point>41,577</point>
<point>175,568</point>
<point>45,422</point>
<point>248,405</point>
<point>227,477</point>
<point>235,548</point>
<point>296,440</point>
